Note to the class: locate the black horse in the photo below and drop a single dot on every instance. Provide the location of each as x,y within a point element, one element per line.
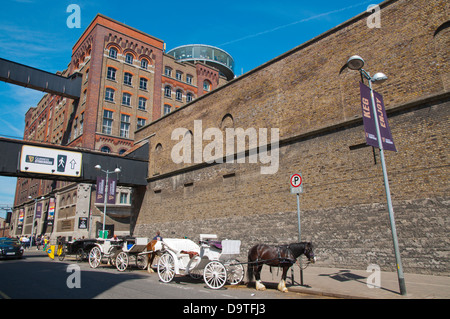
<point>276,256</point>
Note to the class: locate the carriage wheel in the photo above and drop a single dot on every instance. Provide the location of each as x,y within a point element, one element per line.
<point>166,267</point>
<point>235,271</point>
<point>122,261</point>
<point>196,274</point>
<point>215,275</point>
<point>95,257</point>
<point>62,255</point>
<point>141,261</point>
<point>80,255</point>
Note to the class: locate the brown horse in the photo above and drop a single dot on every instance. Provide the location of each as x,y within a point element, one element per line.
<point>154,247</point>
<point>276,256</point>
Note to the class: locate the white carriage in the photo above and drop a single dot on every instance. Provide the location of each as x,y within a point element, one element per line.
<point>215,263</point>
<point>120,252</point>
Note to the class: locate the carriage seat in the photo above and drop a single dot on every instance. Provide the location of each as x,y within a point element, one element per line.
<point>216,244</point>
<point>230,249</point>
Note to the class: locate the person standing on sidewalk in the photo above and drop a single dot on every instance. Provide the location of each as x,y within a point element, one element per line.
<point>38,242</point>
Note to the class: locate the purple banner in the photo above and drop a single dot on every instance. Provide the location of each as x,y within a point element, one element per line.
<point>369,122</point>
<point>112,183</point>
<point>38,210</point>
<point>99,198</point>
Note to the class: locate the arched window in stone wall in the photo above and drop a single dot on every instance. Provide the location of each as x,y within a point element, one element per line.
<point>441,41</point>
<point>227,121</point>
<point>157,159</point>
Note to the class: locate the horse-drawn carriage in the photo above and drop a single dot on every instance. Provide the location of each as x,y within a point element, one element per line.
<point>79,248</point>
<point>213,260</point>
<point>119,252</point>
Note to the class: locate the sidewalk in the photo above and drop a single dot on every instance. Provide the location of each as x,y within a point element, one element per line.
<point>349,283</point>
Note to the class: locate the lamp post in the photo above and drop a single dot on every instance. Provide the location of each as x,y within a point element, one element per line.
<point>105,195</point>
<point>356,63</point>
<point>34,219</point>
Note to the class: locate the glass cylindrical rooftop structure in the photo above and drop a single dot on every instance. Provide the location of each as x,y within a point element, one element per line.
<point>208,54</point>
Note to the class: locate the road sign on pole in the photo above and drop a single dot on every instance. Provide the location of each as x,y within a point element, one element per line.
<point>296,182</point>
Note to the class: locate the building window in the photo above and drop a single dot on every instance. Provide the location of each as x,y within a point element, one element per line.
<point>143,84</point>
<point>124,125</point>
<point>75,129</point>
<point>168,91</point>
<point>111,74</point>
<point>179,95</point>
<point>189,97</point>
<point>127,78</point>
<point>178,75</point>
<point>206,86</point>
<point>142,103</point>
<point>189,79</point>
<point>87,75</point>
<point>113,53</point>
<point>126,99</point>
<point>140,122</point>
<point>122,151</point>
<point>81,123</point>
<point>124,198</point>
<point>129,58</point>
<point>167,108</point>
<point>168,71</point>
<point>105,149</point>
<point>107,122</point>
<point>109,94</point>
<point>144,64</point>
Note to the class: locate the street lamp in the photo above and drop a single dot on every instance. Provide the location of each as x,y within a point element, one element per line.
<point>356,63</point>
<point>105,194</point>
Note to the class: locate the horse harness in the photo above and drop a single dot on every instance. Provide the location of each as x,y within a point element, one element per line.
<point>288,257</point>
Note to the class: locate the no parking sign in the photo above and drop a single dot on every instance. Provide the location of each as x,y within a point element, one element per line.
<point>296,182</point>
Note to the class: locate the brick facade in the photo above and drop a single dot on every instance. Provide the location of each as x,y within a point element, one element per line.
<point>80,123</point>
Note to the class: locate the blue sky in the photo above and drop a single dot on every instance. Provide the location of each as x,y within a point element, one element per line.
<point>35,33</point>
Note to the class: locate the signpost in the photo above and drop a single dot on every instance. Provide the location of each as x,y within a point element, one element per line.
<point>50,161</point>
<point>296,182</point>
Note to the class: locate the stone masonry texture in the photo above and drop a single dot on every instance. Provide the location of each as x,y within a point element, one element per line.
<point>314,102</point>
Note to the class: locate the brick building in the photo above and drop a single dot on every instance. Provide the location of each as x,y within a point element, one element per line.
<point>128,81</point>
<point>313,99</point>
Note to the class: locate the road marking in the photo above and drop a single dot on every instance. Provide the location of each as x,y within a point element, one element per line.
<point>4,296</point>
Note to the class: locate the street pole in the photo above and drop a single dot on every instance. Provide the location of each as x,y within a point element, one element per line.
<point>105,195</point>
<point>34,219</point>
<point>299,237</point>
<point>105,199</point>
<point>401,278</point>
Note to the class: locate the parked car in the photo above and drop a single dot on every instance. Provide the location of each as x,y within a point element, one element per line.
<point>10,248</point>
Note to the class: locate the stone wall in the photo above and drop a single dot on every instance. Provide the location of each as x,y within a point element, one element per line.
<point>314,102</point>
